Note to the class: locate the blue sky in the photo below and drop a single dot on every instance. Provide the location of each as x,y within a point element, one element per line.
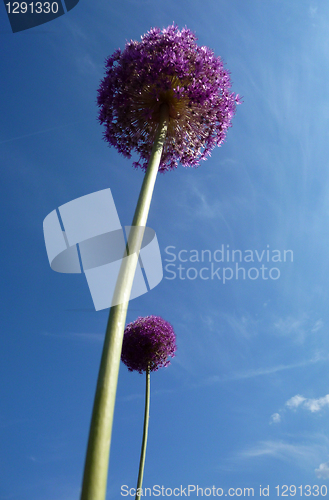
<point>245,401</point>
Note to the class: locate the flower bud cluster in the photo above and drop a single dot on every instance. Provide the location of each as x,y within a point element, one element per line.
<point>166,66</point>
<point>148,341</point>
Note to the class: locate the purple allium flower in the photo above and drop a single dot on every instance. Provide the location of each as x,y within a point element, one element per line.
<point>166,67</point>
<point>148,341</point>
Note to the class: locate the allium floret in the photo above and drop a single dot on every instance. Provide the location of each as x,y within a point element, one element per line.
<point>148,341</point>
<point>166,67</point>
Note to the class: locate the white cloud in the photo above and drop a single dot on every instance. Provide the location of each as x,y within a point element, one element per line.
<point>295,401</point>
<point>323,471</point>
<point>316,404</point>
<point>312,405</point>
<point>275,418</point>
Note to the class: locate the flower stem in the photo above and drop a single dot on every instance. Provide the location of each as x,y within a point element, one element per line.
<point>97,457</point>
<point>145,432</point>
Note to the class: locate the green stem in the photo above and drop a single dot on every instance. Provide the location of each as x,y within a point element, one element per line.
<point>97,457</point>
<point>145,432</point>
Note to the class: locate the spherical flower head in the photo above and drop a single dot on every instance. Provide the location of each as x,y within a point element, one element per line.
<point>166,67</point>
<point>148,341</point>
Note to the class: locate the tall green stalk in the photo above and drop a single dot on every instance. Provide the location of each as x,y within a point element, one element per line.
<point>145,432</point>
<point>97,458</point>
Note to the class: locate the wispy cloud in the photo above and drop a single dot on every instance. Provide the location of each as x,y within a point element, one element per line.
<point>278,449</point>
<point>317,326</point>
<point>313,11</point>
<point>86,337</point>
<point>258,372</point>
<point>298,327</point>
<point>89,337</point>
<point>131,397</point>
<point>86,64</point>
<point>206,207</point>
<point>303,455</point>
<point>43,131</point>
<point>245,326</point>
<point>291,326</point>
<point>269,370</point>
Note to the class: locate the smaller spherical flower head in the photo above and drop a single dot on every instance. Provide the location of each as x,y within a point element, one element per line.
<point>166,67</point>
<point>148,341</point>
